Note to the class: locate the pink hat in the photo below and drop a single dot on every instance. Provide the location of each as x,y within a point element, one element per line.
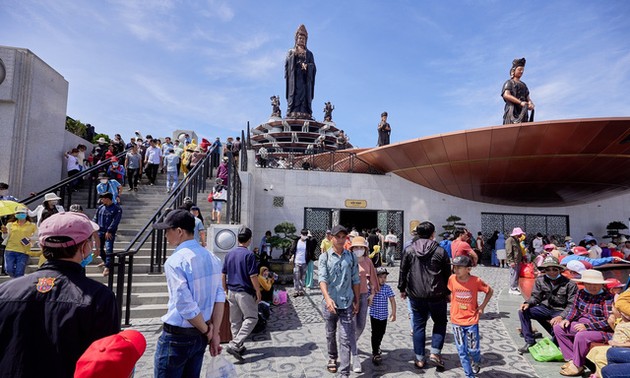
<point>112,356</point>
<point>580,251</point>
<point>517,231</point>
<point>549,247</point>
<point>65,230</point>
<point>613,283</point>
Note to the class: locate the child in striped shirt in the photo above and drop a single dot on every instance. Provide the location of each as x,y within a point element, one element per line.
<point>379,314</point>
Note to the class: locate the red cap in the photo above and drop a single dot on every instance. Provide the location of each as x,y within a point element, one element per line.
<point>112,357</point>
<point>579,251</point>
<point>613,283</point>
<point>114,159</point>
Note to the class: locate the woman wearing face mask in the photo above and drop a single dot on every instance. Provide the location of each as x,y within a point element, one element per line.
<point>116,171</point>
<point>18,236</point>
<point>47,208</point>
<point>367,275</point>
<point>587,322</point>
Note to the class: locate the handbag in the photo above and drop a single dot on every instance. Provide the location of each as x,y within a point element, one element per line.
<point>220,367</point>
<point>545,350</point>
<point>221,195</point>
<point>210,197</point>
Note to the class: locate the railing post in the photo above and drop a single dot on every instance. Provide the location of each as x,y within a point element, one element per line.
<point>129,282</point>
<point>120,284</point>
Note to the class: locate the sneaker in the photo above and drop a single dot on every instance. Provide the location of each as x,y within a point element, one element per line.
<point>377,359</point>
<point>514,291</point>
<point>356,364</point>
<point>525,348</point>
<point>234,352</point>
<point>476,368</point>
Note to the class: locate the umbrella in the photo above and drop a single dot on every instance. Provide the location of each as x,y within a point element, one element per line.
<point>8,207</point>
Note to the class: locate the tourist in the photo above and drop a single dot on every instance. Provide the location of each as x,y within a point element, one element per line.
<point>266,281</point>
<point>196,157</point>
<point>186,159</point>
<point>107,185</point>
<point>479,244</point>
<point>514,258</point>
<point>265,245</point>
<point>384,131</point>
<point>301,252</point>
<point>587,322</point>
<point>369,287</point>
<point>551,300</point>
<point>4,193</point>
<point>240,281</point>
<point>461,245</point>
<point>501,252</point>
<point>391,241</point>
<point>446,244</point>
<point>327,242</point>
<point>617,358</point>
<point>379,314</point>
<point>222,171</point>
<point>166,146</point>
<point>310,265</point>
<point>17,235</point>
<point>594,251</point>
<point>133,166</point>
<point>373,240</point>
<point>465,312</point>
<point>263,155</point>
<point>116,171</point>
<point>50,317</point>
<point>73,167</point>
<point>516,96</point>
<point>200,229</point>
<point>424,273</point>
<point>107,217</point>
<point>219,195</point>
<point>49,207</point>
<point>195,301</point>
<point>538,244</point>
<point>171,162</point>
<point>580,254</point>
<point>492,245</point>
<point>152,161</point>
<point>340,285</point>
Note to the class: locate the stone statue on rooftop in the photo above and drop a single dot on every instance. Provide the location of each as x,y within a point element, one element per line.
<point>328,109</point>
<point>299,72</point>
<point>384,130</point>
<point>275,106</point>
<point>516,96</point>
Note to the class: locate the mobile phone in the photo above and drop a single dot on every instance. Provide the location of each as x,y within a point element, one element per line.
<point>26,241</point>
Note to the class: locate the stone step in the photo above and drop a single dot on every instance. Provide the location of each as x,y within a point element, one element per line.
<point>147,311</point>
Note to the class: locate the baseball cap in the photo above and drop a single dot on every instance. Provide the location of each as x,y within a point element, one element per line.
<point>339,228</point>
<point>65,230</point>
<point>381,270</point>
<point>462,261</point>
<point>613,283</point>
<point>177,218</point>
<point>113,356</point>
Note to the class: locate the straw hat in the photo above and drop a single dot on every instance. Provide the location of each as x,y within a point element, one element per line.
<point>359,241</point>
<point>592,276</point>
<point>51,197</point>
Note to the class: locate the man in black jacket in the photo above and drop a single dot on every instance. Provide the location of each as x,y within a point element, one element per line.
<point>424,272</point>
<point>50,317</point>
<point>551,300</point>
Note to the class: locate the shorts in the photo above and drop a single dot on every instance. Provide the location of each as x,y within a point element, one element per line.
<point>501,254</point>
<point>217,205</point>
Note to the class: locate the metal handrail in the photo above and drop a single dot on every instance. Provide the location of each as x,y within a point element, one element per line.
<point>192,184</point>
<point>62,186</point>
<point>331,157</point>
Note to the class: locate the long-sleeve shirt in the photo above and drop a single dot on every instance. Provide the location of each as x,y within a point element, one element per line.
<point>595,262</point>
<point>513,250</point>
<point>108,218</point>
<point>193,277</point>
<point>340,273</point>
<point>367,272</point>
<point>593,310</point>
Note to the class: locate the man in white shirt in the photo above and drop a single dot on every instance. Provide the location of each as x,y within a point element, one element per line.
<point>391,241</point>
<point>594,251</point>
<point>152,161</point>
<point>302,252</point>
<point>538,244</point>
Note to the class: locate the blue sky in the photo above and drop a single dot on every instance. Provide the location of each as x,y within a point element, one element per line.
<point>434,66</point>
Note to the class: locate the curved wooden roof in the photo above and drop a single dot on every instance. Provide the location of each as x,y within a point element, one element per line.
<point>547,163</point>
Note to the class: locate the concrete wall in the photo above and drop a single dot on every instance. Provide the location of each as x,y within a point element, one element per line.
<point>302,189</point>
<point>33,101</point>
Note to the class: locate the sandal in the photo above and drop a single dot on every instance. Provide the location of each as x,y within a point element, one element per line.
<point>566,365</point>
<point>436,359</point>
<point>377,359</point>
<point>332,366</point>
<point>572,371</point>
<point>418,364</point>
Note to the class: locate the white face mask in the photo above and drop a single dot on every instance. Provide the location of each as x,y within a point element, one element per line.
<point>103,181</point>
<point>359,251</point>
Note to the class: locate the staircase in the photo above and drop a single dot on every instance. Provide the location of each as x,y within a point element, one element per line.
<point>149,293</point>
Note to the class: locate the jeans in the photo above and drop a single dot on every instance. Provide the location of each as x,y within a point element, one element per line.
<point>179,356</point>
<point>299,274</point>
<point>494,261</point>
<point>171,177</point>
<point>467,344</point>
<point>540,313</point>
<point>514,276</point>
<point>107,248</point>
<point>618,363</point>
<point>378,331</point>
<point>391,252</point>
<point>243,316</point>
<point>346,336</point>
<point>359,321</point>
<point>132,177</point>
<point>422,309</point>
<point>15,263</point>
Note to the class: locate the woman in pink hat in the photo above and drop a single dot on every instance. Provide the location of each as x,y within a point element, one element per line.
<point>514,258</point>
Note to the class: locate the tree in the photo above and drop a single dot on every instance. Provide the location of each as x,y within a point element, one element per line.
<point>614,228</point>
<point>452,224</point>
<point>76,127</point>
<point>284,237</point>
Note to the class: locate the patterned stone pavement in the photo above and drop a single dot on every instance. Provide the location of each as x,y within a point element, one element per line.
<point>294,344</point>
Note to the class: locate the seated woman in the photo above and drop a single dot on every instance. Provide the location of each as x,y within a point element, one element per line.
<point>266,281</point>
<point>587,322</point>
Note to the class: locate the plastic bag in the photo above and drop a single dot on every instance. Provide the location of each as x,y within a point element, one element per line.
<point>527,271</point>
<point>210,197</point>
<point>220,367</point>
<point>545,350</point>
<point>279,297</point>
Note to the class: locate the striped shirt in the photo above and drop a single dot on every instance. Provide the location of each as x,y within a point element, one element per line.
<point>593,311</point>
<point>378,310</point>
<point>193,277</point>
